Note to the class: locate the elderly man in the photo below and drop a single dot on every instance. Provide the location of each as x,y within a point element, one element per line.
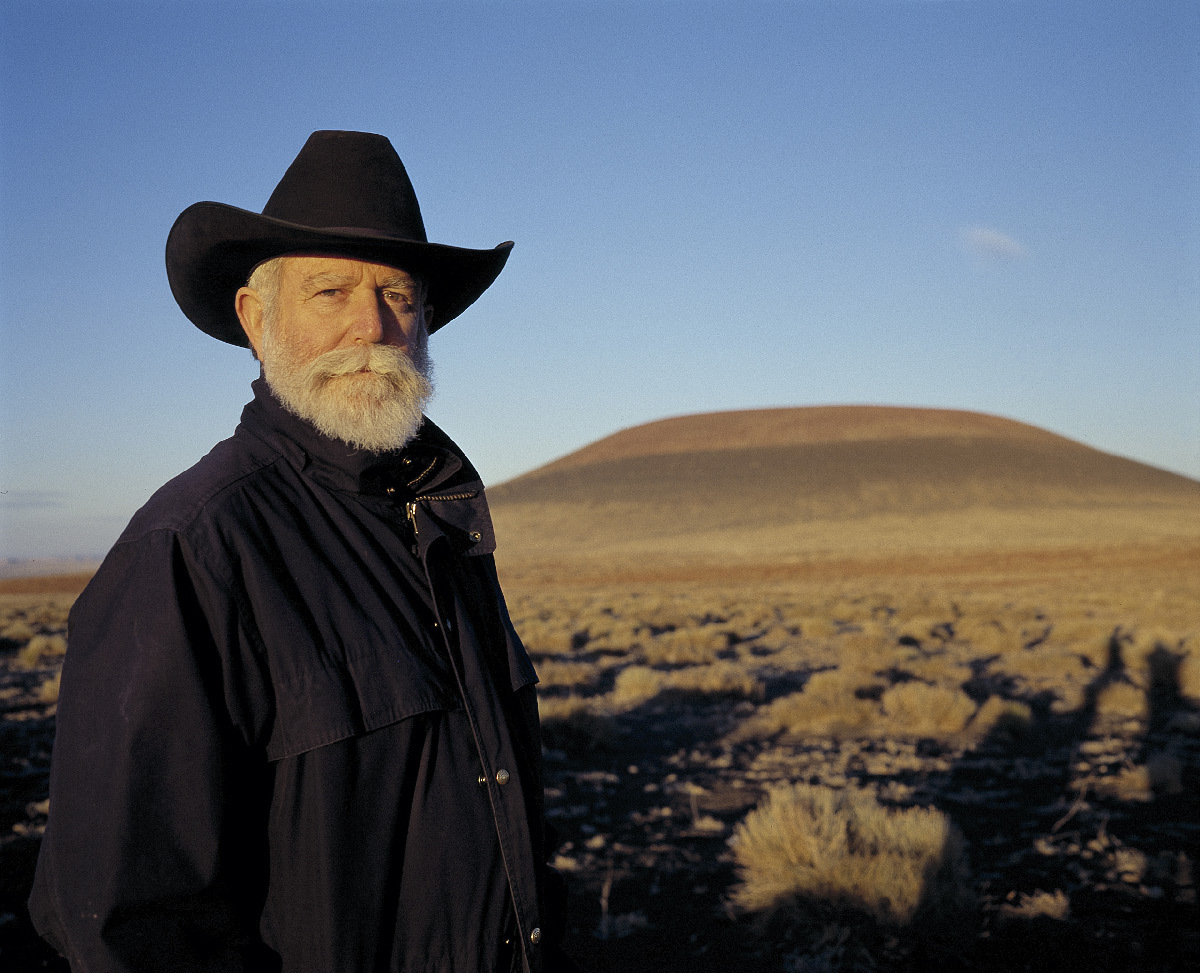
<point>297,730</point>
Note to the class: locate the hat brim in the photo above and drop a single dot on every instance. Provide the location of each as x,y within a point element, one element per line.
<point>212,248</point>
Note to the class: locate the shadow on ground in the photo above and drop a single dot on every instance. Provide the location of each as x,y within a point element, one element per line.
<point>1105,810</point>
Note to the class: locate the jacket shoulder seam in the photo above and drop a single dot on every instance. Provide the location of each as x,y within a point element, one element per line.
<point>199,505</point>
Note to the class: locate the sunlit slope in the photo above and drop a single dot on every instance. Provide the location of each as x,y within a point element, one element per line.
<point>786,482</point>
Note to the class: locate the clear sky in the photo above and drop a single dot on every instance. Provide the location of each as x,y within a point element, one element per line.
<point>973,204</point>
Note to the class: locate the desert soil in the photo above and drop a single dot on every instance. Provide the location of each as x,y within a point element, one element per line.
<point>645,797</point>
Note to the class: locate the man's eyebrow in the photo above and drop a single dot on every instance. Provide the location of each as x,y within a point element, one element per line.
<point>399,281</point>
<point>329,278</point>
<point>326,278</point>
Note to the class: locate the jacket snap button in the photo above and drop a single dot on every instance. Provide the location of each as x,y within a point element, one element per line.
<point>535,937</point>
<point>483,780</point>
<point>501,777</point>
<point>475,536</point>
<point>390,491</point>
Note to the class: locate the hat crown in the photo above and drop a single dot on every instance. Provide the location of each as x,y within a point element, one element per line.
<point>347,194</point>
<point>348,181</point>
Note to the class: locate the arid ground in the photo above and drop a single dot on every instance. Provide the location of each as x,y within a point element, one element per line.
<point>823,690</point>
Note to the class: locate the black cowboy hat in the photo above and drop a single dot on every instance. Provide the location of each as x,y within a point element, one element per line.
<point>345,194</point>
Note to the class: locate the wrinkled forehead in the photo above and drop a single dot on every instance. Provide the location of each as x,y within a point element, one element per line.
<point>307,269</point>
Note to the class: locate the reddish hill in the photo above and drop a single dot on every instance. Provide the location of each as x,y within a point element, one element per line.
<point>861,459</point>
<point>768,479</point>
<point>747,428</point>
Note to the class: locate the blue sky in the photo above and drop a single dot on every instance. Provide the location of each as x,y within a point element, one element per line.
<point>977,205</point>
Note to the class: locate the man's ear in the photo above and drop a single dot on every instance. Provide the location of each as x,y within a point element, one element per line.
<point>249,308</point>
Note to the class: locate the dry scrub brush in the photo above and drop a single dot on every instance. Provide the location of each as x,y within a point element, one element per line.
<point>826,855</point>
<point>16,629</point>
<point>910,661</point>
<point>555,674</point>
<point>827,706</point>
<point>921,710</point>
<point>1122,701</point>
<point>1160,776</point>
<point>639,684</point>
<point>1039,905</point>
<point>998,716</point>
<point>685,646</point>
<point>840,703</point>
<point>41,650</point>
<point>636,685</point>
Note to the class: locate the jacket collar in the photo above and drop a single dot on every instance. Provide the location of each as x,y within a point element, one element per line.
<point>429,464</point>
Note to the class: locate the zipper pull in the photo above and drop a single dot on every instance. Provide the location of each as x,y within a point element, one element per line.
<point>411,509</point>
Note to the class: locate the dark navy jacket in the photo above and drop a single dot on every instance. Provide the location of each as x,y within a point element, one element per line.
<point>296,729</point>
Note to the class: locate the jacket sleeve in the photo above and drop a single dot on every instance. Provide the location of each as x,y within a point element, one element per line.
<point>154,856</point>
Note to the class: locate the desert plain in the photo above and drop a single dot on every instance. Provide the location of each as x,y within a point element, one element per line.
<point>821,689</point>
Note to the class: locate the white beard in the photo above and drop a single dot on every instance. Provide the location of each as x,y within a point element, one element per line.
<point>378,409</point>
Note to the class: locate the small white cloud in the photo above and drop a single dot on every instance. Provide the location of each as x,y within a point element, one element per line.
<point>991,244</point>
<point>32,499</point>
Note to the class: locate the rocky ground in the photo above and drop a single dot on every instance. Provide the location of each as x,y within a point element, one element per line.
<point>26,738</point>
<point>645,824</point>
<point>1083,831</point>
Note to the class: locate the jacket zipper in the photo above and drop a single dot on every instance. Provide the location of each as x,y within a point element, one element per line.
<point>410,510</point>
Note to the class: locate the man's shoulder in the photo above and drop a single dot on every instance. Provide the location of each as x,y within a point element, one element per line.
<point>203,492</point>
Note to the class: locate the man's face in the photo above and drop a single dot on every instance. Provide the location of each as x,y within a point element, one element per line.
<point>344,345</point>
<point>328,303</point>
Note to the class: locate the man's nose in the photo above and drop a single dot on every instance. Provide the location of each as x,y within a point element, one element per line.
<point>370,319</point>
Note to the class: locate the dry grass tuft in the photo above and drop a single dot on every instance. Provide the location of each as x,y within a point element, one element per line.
<point>817,627</point>
<point>575,721</point>
<point>636,685</point>
<point>826,706</point>
<point>40,648</point>
<point>916,709</point>
<point>48,690</point>
<point>1001,716</point>
<point>561,707</point>
<point>1130,784</point>
<point>17,630</point>
<point>774,639</point>
<point>552,672</point>
<point>686,646</point>
<point>825,853</point>
<point>1161,775</point>
<point>718,679</point>
<point>988,635</point>
<point>1120,700</point>
<point>1045,662</point>
<point>1039,905</point>
<point>837,702</point>
<point>1128,864</point>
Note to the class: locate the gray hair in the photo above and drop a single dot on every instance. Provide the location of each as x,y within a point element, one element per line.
<point>264,281</point>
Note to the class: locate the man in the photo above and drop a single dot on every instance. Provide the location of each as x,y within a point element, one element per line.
<point>297,730</point>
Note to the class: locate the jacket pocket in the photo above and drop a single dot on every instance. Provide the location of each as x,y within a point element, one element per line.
<point>340,696</point>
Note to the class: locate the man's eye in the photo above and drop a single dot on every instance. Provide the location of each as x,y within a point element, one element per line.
<point>328,292</point>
